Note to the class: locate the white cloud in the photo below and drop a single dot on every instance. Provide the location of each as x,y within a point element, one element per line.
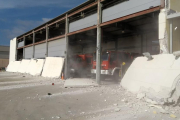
<point>46,19</point>
<point>23,26</point>
<point>6,4</point>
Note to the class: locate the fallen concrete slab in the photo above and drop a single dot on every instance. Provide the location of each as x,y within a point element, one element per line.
<point>80,82</point>
<point>157,78</point>
<point>15,66</point>
<point>10,66</point>
<point>23,66</point>
<point>53,67</point>
<point>37,67</point>
<point>30,66</point>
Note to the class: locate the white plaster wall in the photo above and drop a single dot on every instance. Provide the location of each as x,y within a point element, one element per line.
<point>12,53</point>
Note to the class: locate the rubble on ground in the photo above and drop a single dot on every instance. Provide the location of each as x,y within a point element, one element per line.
<point>156,81</point>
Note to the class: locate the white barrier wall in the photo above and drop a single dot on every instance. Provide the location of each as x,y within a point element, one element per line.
<point>53,67</point>
<point>10,66</point>
<point>12,53</point>
<point>24,65</point>
<point>15,66</point>
<point>35,67</point>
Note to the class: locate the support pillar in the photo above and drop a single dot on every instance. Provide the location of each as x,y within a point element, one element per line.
<point>171,37</point>
<point>67,47</point>
<point>142,43</point>
<point>98,49</point>
<point>116,45</point>
<point>47,36</point>
<point>24,38</point>
<point>16,53</point>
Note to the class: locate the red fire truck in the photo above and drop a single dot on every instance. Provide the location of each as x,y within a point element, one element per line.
<point>80,65</point>
<point>111,62</point>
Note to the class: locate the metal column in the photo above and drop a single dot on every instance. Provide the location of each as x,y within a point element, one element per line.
<point>141,43</point>
<point>34,34</point>
<point>16,56</point>
<point>67,45</point>
<point>171,36</point>
<point>24,48</point>
<point>98,49</point>
<point>47,36</point>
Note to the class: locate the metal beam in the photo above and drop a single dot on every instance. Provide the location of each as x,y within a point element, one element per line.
<point>98,49</point>
<point>55,38</point>
<point>67,47</point>
<point>82,9</point>
<point>64,18</point>
<point>82,30</point>
<point>132,16</point>
<point>171,36</point>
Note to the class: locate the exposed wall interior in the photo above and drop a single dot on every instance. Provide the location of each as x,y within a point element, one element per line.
<point>57,48</point>
<point>139,34</point>
<point>176,34</point>
<point>40,51</point>
<point>57,29</point>
<point>83,43</point>
<point>40,35</point>
<point>29,39</point>
<point>19,54</point>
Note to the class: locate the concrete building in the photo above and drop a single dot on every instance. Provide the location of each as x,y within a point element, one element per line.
<point>4,56</point>
<point>97,25</point>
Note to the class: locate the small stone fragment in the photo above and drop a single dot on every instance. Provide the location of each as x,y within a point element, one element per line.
<point>117,109</point>
<point>154,112</point>
<point>173,116</point>
<point>140,96</point>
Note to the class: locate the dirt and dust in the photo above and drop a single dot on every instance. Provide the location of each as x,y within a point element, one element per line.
<point>26,98</point>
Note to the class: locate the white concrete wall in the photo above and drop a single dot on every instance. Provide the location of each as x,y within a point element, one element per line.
<point>12,53</point>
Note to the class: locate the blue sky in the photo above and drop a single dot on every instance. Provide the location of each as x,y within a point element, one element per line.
<point>20,16</point>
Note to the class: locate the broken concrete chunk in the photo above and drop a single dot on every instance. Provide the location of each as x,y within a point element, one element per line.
<point>117,109</point>
<point>140,95</point>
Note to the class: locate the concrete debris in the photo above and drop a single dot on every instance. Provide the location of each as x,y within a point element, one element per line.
<point>172,115</point>
<point>161,110</point>
<point>157,81</point>
<point>117,109</point>
<point>115,104</point>
<point>80,82</point>
<point>141,95</point>
<point>154,112</point>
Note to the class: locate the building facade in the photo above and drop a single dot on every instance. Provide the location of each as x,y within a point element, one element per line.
<point>4,56</point>
<point>98,25</point>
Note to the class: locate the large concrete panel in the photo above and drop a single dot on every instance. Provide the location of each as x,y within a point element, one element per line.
<point>158,75</point>
<point>40,51</point>
<point>35,67</point>
<point>24,65</point>
<point>12,53</point>
<point>29,52</point>
<point>57,48</point>
<point>14,66</point>
<point>53,67</point>
<point>10,66</point>
<point>21,44</point>
<point>128,7</point>
<point>83,23</point>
